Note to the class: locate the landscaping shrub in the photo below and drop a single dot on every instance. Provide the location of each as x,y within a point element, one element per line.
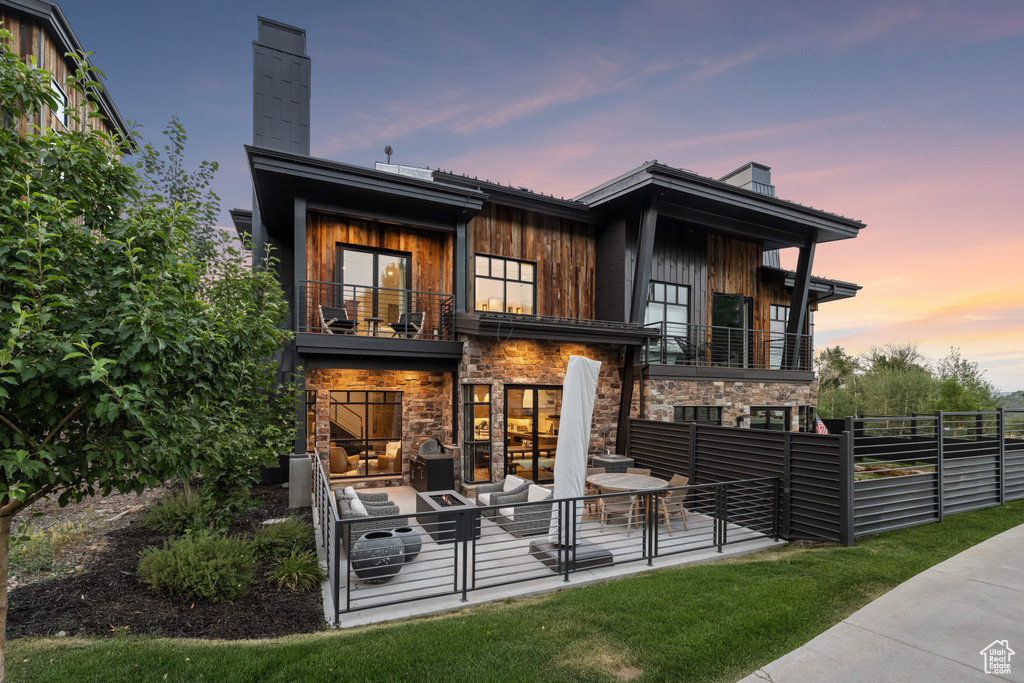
<point>173,514</point>
<point>200,564</point>
<point>300,571</point>
<point>279,540</point>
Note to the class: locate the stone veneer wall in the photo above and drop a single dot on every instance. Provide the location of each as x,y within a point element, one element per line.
<point>735,398</point>
<point>521,361</point>
<point>426,404</point>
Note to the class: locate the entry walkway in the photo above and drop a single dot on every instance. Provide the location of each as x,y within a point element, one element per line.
<point>930,628</point>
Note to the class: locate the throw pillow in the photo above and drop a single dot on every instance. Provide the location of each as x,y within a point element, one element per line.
<point>350,492</point>
<point>509,513</point>
<point>483,498</point>
<point>512,482</point>
<point>358,508</point>
<point>535,493</point>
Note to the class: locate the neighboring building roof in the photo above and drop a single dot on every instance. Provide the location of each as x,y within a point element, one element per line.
<point>519,197</point>
<point>50,14</point>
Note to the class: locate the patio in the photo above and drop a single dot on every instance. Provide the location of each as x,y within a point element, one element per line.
<point>499,565</point>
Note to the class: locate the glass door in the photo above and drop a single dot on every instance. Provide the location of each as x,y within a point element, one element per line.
<point>376,284</point>
<point>532,416</point>
<point>732,318</point>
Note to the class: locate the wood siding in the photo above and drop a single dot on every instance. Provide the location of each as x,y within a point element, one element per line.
<point>563,250</point>
<point>29,39</point>
<point>430,262</point>
<point>733,268</point>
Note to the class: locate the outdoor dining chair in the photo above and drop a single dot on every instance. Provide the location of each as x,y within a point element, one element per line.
<point>672,502</point>
<point>618,505</point>
<point>335,320</point>
<point>409,325</point>
<point>639,470</point>
<point>591,490</point>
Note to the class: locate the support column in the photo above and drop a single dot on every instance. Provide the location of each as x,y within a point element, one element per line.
<point>794,350</point>
<point>641,282</point>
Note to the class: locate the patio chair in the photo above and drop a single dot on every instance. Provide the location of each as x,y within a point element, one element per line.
<point>335,320</point>
<point>591,490</point>
<point>639,470</point>
<point>339,460</point>
<point>672,502</point>
<point>618,505</point>
<point>409,325</point>
<point>391,460</point>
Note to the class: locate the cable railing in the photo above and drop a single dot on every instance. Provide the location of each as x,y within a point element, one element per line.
<point>728,347</point>
<point>454,551</point>
<point>340,309</point>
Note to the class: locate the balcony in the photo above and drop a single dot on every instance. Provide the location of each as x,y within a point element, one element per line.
<point>552,328</point>
<point>728,349</point>
<point>357,316</point>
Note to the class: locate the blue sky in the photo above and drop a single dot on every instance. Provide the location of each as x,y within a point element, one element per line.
<point>906,115</point>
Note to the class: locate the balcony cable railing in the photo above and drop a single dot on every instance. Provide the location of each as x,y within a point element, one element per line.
<point>374,311</point>
<point>728,347</point>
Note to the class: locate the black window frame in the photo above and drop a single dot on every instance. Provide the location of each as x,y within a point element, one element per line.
<point>504,280</point>
<point>785,425</point>
<point>679,414</point>
<point>470,442</point>
<point>366,443</point>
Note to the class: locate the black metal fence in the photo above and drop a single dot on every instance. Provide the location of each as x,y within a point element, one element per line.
<point>729,347</point>
<point>375,311</point>
<point>879,474</point>
<point>476,548</point>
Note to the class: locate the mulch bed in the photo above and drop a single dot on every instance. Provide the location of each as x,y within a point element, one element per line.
<point>107,596</point>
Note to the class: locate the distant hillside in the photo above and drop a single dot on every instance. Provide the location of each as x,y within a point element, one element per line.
<point>1014,401</point>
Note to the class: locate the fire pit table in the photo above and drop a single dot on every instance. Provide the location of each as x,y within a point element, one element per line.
<point>455,519</point>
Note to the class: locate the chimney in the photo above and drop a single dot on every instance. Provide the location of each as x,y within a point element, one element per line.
<point>752,176</point>
<point>756,178</point>
<point>280,88</point>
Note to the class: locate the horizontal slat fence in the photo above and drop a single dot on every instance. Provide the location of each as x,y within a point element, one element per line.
<point>808,465</point>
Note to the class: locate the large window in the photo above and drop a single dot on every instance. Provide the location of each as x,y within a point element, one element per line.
<point>60,110</point>
<point>505,285</point>
<point>476,448</point>
<point>374,283</point>
<point>367,425</point>
<point>311,421</point>
<point>668,305</point>
<point>770,418</point>
<point>779,318</point>
<point>704,415</point>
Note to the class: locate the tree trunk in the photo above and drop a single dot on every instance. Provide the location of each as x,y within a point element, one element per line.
<point>5,549</point>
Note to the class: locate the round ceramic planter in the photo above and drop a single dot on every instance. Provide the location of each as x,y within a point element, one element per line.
<point>412,540</point>
<point>377,556</point>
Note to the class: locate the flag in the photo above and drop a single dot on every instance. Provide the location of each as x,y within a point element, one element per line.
<point>819,426</point>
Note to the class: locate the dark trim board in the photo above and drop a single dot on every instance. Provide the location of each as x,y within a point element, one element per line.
<point>351,345</point>
<point>396,363</point>
<point>600,332</point>
<point>728,374</point>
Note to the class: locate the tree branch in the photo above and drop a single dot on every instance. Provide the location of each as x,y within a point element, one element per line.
<point>56,430</point>
<point>16,506</point>
<point>25,436</point>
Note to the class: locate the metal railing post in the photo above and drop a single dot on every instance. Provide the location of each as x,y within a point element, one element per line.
<point>939,448</point>
<point>1001,435</point>
<point>465,551</point>
<point>565,533</point>
<point>847,492</point>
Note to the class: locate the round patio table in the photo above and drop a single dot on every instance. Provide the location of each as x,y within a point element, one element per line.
<point>613,482</point>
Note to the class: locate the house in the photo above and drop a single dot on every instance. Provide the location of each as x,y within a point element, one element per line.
<point>428,304</point>
<point>40,32</point>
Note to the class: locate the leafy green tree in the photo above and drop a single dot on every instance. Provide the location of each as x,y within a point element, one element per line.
<point>118,367</point>
<point>962,386</point>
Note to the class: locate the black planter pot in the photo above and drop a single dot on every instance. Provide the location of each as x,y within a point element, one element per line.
<point>377,556</point>
<point>412,540</point>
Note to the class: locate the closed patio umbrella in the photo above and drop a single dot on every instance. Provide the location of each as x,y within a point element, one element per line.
<point>577,411</point>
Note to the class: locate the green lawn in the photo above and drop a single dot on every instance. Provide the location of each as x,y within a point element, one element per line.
<point>709,623</point>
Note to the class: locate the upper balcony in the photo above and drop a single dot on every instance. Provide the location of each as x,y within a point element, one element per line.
<point>704,351</point>
<point>338,318</point>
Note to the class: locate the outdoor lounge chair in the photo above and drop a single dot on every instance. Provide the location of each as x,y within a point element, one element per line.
<point>532,515</point>
<point>335,320</point>
<point>367,522</point>
<point>409,325</point>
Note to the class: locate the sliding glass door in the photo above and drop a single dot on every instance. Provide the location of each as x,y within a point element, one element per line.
<point>532,415</point>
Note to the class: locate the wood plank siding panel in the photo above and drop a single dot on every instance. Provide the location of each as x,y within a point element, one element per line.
<point>680,257</point>
<point>564,251</point>
<point>29,39</point>
<point>733,268</point>
<point>430,251</point>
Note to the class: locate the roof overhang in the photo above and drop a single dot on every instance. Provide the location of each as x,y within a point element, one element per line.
<point>242,218</point>
<point>521,198</point>
<point>50,14</point>
<point>693,198</point>
<point>279,177</point>
<point>820,289</point>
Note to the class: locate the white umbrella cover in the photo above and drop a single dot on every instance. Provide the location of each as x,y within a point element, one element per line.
<point>578,393</point>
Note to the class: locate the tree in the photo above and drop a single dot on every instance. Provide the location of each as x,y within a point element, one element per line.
<point>962,385</point>
<point>118,367</point>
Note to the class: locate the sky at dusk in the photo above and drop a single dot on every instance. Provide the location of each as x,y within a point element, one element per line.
<point>904,115</point>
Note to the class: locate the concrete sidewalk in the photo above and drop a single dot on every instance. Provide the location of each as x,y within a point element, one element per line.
<point>930,628</point>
